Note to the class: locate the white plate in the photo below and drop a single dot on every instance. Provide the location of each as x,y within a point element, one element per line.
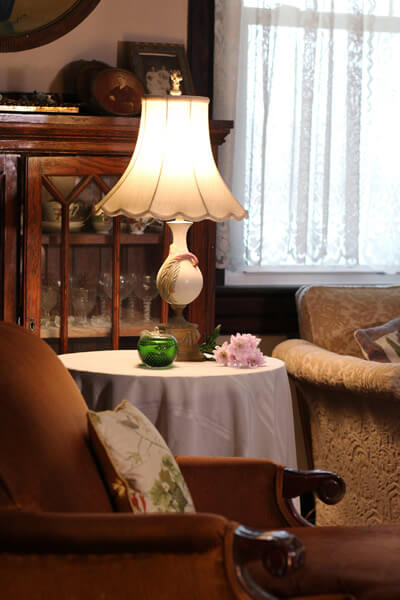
<point>53,226</point>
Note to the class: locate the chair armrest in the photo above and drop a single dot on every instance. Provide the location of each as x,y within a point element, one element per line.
<point>108,533</point>
<point>327,486</point>
<point>279,552</point>
<point>216,485</point>
<point>362,561</point>
<point>308,362</point>
<point>93,556</point>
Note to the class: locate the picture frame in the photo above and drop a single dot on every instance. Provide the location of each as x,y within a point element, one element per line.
<point>25,25</point>
<point>153,63</point>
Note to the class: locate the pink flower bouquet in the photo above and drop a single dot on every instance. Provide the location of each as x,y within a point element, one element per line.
<point>242,351</point>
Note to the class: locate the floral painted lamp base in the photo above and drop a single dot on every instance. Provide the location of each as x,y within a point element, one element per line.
<point>179,282</point>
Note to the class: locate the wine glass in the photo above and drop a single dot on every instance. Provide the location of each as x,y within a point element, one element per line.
<point>83,301</point>
<point>48,300</point>
<point>130,310</point>
<point>146,290</point>
<point>126,283</point>
<point>103,319</point>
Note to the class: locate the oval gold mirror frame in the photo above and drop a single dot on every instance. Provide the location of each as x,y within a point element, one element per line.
<point>50,31</point>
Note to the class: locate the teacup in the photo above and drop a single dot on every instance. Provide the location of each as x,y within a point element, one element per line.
<point>52,211</point>
<point>101,222</point>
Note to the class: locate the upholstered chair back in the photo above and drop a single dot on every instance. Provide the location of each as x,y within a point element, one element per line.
<point>329,315</point>
<point>45,460</point>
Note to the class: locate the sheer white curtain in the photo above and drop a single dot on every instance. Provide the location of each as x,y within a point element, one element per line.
<point>314,89</point>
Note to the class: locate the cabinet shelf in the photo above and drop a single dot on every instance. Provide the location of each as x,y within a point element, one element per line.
<point>101,239</point>
<point>131,330</point>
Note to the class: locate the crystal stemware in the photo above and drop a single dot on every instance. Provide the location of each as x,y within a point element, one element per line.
<point>126,284</point>
<point>83,301</point>
<point>146,290</point>
<point>48,300</point>
<point>104,318</point>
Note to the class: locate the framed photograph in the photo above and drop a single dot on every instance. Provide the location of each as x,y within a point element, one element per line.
<point>153,64</point>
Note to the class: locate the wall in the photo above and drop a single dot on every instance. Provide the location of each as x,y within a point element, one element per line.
<point>42,68</point>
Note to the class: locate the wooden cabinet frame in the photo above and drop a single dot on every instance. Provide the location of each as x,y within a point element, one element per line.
<point>39,168</point>
<point>9,231</point>
<point>34,145</point>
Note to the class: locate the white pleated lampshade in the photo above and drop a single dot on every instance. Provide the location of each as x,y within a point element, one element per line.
<point>172,172</point>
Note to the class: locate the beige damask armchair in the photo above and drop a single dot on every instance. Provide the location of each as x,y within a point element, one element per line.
<point>350,406</point>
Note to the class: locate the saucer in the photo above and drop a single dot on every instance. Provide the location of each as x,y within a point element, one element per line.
<point>55,226</point>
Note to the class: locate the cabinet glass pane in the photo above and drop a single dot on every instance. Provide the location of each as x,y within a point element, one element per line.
<point>50,296</point>
<point>88,268</point>
<point>142,307</point>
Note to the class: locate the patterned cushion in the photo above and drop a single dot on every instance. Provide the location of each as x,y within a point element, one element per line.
<point>139,469</point>
<point>380,343</point>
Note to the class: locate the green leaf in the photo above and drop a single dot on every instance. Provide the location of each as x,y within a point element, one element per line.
<point>180,499</point>
<point>157,493</point>
<point>209,345</point>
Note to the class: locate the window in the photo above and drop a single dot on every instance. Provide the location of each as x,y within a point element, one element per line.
<point>314,159</point>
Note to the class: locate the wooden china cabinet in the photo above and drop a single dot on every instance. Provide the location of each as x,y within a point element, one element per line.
<point>79,283</point>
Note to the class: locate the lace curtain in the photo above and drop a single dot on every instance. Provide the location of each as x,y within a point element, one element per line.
<point>314,89</point>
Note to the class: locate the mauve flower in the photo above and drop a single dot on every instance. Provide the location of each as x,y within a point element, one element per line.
<point>241,352</point>
<point>243,343</point>
<point>256,359</point>
<point>252,340</point>
<point>221,354</point>
<point>238,344</point>
<point>233,360</point>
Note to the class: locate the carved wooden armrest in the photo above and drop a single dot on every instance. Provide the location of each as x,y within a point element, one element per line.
<point>279,551</point>
<point>291,483</point>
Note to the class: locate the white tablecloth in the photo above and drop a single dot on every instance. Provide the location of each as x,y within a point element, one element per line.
<point>201,409</point>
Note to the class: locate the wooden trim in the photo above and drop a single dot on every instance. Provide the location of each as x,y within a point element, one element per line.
<point>64,279</point>
<point>9,238</point>
<point>167,239</point>
<point>32,247</point>
<point>71,135</point>
<point>200,47</point>
<point>257,310</point>
<point>202,310</point>
<point>116,270</point>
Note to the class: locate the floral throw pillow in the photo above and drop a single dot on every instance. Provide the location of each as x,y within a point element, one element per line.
<point>140,471</point>
<point>381,343</point>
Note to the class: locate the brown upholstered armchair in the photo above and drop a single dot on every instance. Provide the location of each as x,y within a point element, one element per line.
<point>59,536</point>
<point>350,406</point>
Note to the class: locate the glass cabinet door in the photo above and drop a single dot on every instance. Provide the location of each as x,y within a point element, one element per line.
<point>89,279</point>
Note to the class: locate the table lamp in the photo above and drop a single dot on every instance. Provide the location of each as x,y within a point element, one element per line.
<point>172,176</point>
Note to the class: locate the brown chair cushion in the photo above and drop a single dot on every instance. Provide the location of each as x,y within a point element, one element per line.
<point>45,460</point>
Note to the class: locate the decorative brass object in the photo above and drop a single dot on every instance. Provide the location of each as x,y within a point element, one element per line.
<point>176,78</point>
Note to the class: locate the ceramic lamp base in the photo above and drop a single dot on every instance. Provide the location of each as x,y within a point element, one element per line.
<point>179,282</point>
<point>187,335</point>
